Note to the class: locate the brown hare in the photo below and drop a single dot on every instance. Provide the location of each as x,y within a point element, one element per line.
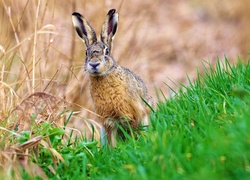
<point>119,96</point>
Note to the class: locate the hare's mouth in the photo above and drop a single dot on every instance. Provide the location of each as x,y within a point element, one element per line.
<point>96,71</point>
<point>96,68</point>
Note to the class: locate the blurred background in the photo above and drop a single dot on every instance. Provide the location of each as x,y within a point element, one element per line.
<point>162,41</point>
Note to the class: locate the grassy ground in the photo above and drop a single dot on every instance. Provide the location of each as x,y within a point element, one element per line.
<point>202,132</point>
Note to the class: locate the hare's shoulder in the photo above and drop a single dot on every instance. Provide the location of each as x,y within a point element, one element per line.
<point>136,86</point>
<point>131,77</point>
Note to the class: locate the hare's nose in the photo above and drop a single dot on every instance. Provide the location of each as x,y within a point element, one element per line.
<point>94,64</point>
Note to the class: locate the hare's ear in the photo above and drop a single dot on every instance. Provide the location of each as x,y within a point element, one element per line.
<point>109,28</point>
<point>83,29</point>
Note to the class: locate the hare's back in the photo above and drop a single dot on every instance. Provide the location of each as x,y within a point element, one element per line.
<point>136,85</point>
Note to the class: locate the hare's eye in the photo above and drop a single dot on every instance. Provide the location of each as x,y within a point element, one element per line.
<point>86,53</point>
<point>106,51</point>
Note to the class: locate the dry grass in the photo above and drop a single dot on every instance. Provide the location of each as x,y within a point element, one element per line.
<point>39,50</point>
<point>13,157</point>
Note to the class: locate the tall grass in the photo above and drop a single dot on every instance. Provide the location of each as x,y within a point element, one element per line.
<point>200,132</point>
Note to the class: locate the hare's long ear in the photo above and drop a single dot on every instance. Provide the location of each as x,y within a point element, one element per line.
<point>83,29</point>
<point>109,28</point>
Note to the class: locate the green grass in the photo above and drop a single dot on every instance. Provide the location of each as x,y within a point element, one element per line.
<point>202,132</point>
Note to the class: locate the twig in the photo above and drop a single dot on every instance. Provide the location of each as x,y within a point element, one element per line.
<point>34,48</point>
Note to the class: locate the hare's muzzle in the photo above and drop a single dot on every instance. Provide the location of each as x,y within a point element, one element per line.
<point>94,65</point>
<point>93,68</point>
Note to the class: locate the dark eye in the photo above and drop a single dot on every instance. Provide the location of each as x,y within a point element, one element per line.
<point>106,51</point>
<point>86,53</point>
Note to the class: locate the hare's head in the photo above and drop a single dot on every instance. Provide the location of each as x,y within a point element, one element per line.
<point>98,59</point>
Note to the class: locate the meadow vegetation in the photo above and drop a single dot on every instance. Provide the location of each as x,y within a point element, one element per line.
<point>199,130</point>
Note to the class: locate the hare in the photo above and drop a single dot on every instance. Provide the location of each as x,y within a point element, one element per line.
<point>119,96</point>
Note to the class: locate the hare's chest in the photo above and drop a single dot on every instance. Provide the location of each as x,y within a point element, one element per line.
<point>109,95</point>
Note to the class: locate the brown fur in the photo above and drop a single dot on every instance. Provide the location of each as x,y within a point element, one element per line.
<point>117,93</point>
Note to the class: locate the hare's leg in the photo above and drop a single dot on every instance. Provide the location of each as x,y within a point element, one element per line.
<point>103,137</point>
<point>145,121</point>
<point>111,132</point>
<point>111,136</point>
